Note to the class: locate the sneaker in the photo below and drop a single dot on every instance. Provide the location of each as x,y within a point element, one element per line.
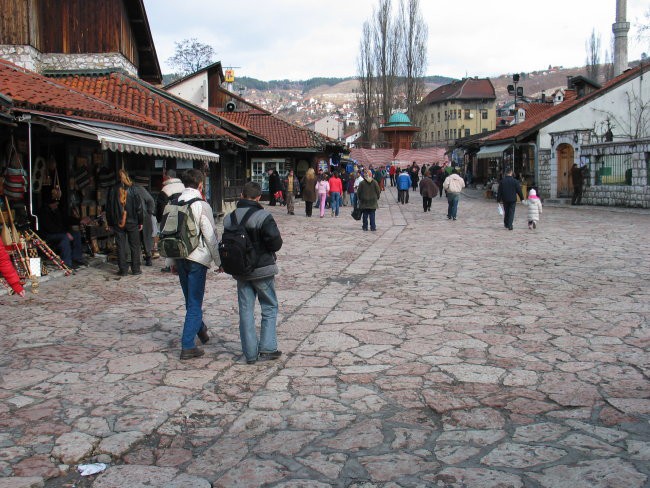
<point>191,353</point>
<point>269,356</point>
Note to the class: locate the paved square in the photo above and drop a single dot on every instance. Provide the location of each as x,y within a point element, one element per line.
<point>428,353</point>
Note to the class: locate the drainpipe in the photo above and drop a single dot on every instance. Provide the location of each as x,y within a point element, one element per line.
<point>28,119</point>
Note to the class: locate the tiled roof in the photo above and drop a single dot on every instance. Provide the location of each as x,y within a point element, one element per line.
<point>139,96</point>
<point>534,109</point>
<point>570,102</point>
<point>279,133</point>
<point>378,157</point>
<point>31,91</point>
<point>467,89</point>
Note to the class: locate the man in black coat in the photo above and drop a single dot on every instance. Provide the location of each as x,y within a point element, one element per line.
<point>509,189</point>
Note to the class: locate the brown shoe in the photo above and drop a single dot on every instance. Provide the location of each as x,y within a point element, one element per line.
<point>191,353</point>
<point>202,334</point>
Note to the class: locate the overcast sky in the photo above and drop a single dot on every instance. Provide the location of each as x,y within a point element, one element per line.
<point>301,39</point>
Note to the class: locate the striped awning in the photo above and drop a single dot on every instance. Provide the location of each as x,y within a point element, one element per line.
<point>112,139</point>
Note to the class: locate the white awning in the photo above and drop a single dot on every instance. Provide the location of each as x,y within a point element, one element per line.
<point>133,142</point>
<point>488,152</point>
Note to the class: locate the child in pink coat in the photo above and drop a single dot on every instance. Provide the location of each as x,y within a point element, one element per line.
<point>322,189</point>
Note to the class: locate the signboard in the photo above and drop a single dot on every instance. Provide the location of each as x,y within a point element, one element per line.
<point>230,75</point>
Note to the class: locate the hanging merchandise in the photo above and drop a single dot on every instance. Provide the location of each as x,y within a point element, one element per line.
<point>56,187</point>
<point>39,174</point>
<point>15,177</point>
<point>82,177</point>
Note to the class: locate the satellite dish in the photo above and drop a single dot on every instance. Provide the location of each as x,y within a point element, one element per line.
<point>471,115</point>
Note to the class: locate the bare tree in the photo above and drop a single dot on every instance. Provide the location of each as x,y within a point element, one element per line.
<point>191,55</point>
<point>366,97</point>
<point>633,123</point>
<point>593,55</point>
<point>608,68</point>
<point>386,43</point>
<point>643,29</point>
<point>415,34</point>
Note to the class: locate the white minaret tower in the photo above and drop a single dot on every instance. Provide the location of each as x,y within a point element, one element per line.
<point>620,29</point>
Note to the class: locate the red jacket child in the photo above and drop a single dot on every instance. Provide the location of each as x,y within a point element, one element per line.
<point>9,272</point>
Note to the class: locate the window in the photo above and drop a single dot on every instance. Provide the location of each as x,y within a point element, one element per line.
<point>458,113</point>
<point>260,168</point>
<point>445,115</point>
<point>484,114</point>
<point>438,116</point>
<point>466,132</point>
<point>446,134</point>
<point>438,135</point>
<point>467,114</point>
<point>454,133</point>
<point>613,169</point>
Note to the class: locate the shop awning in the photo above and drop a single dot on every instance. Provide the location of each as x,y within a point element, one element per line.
<point>487,152</point>
<point>133,142</point>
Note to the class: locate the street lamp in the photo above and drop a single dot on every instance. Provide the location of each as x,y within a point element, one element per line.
<point>516,91</point>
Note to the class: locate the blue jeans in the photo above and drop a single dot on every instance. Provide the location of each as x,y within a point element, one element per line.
<point>353,199</point>
<point>368,212</point>
<point>69,250</point>
<point>192,277</point>
<point>452,204</point>
<point>335,202</point>
<point>264,291</point>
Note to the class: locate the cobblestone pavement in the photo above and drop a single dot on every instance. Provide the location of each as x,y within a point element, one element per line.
<point>429,353</point>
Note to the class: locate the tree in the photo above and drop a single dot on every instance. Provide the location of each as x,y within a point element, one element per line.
<point>643,29</point>
<point>366,97</point>
<point>386,43</point>
<point>415,34</point>
<point>191,55</point>
<point>593,55</point>
<point>609,61</point>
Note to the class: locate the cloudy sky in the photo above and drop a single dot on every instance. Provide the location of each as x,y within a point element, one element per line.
<point>301,39</point>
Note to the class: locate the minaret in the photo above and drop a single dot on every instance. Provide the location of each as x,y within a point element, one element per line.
<point>620,29</point>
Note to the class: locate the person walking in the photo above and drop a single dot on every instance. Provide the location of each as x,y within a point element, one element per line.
<point>292,189</point>
<point>509,190</point>
<point>192,270</point>
<point>403,185</point>
<point>453,185</point>
<point>335,192</point>
<point>260,283</point>
<point>428,190</point>
<point>275,185</point>
<point>368,195</point>
<point>149,209</point>
<point>124,214</point>
<point>534,209</point>
<point>308,185</point>
<point>391,174</point>
<point>414,173</point>
<point>352,188</point>
<point>322,188</point>
<point>440,179</point>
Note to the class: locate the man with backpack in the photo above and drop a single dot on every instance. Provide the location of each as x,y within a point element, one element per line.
<point>254,270</point>
<point>188,234</point>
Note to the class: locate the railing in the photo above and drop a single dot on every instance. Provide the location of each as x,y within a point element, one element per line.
<point>613,169</point>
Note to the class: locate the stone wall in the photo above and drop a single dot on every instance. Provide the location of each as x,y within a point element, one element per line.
<point>544,173</point>
<point>33,60</point>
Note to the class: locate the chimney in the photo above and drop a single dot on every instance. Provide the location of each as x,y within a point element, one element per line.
<point>620,29</point>
<point>543,96</point>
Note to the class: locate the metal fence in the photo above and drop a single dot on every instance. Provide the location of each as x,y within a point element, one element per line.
<point>613,169</point>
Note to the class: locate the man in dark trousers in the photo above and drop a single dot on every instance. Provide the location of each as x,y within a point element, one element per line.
<point>577,177</point>
<point>509,189</point>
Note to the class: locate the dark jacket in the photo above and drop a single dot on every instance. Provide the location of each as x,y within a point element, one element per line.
<point>509,188</point>
<point>134,210</point>
<point>428,188</point>
<point>296,184</point>
<point>275,184</point>
<point>265,235</point>
<point>308,189</point>
<point>52,221</point>
<point>368,194</point>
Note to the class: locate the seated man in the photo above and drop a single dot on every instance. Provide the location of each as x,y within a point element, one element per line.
<point>54,229</point>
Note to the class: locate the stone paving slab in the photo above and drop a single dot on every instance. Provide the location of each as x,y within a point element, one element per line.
<point>428,353</point>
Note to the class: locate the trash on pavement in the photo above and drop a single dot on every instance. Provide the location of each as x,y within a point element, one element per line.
<point>88,469</point>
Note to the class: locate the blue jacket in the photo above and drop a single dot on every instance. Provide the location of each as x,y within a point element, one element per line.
<point>403,181</point>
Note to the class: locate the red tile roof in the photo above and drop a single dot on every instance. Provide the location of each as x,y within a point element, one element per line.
<point>137,95</point>
<point>570,102</point>
<point>31,91</point>
<point>279,133</point>
<point>467,89</point>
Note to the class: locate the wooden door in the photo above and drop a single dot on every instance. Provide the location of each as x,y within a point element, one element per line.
<point>565,159</point>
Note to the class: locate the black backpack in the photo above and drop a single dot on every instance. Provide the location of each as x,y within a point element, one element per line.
<point>236,250</point>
